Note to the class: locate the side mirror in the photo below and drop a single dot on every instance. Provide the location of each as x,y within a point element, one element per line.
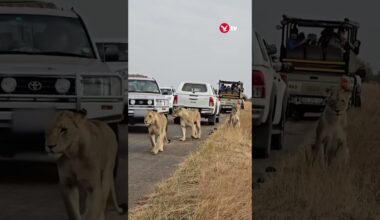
<point>272,49</point>
<point>356,46</point>
<point>111,53</point>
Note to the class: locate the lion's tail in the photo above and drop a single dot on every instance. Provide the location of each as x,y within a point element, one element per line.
<point>120,208</point>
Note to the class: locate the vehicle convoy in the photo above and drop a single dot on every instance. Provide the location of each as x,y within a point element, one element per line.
<point>201,96</point>
<point>315,65</point>
<point>230,93</point>
<point>168,92</point>
<point>269,100</point>
<point>48,63</point>
<point>144,95</point>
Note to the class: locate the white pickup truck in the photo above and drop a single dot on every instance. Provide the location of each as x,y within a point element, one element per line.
<point>144,95</point>
<point>168,92</point>
<point>269,98</point>
<point>48,63</point>
<point>201,96</point>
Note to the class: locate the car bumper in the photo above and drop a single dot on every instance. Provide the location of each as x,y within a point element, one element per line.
<point>110,112</point>
<point>257,115</point>
<point>307,100</point>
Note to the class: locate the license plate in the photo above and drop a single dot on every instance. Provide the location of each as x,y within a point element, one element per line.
<point>312,100</point>
<point>31,121</point>
<point>295,86</point>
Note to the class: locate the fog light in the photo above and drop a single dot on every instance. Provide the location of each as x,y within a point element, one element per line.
<point>150,102</point>
<point>8,84</point>
<point>132,102</point>
<point>62,86</point>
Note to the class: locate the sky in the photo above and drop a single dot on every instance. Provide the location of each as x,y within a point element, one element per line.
<point>180,40</point>
<point>268,13</point>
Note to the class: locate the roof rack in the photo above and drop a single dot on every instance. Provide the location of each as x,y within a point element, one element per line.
<point>27,4</point>
<point>137,75</point>
<point>319,23</point>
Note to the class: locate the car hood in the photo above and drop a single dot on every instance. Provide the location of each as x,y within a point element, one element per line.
<point>50,64</point>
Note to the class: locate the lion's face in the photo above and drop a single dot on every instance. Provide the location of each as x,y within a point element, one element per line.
<point>60,135</point>
<point>338,101</point>
<point>149,118</point>
<point>178,112</point>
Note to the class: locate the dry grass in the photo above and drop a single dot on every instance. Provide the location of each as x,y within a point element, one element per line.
<point>212,183</point>
<point>298,192</point>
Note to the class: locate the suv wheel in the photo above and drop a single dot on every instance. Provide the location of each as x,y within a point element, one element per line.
<point>278,136</point>
<point>177,120</point>
<point>212,120</point>
<point>262,136</point>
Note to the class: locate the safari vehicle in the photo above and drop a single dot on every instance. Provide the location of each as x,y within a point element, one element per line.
<point>313,66</point>
<point>230,93</point>
<point>49,63</point>
<point>201,96</point>
<point>269,99</point>
<point>168,92</point>
<point>118,63</point>
<point>144,95</point>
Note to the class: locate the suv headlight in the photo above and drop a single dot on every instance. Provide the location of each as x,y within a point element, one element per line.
<point>8,84</point>
<point>162,102</point>
<point>101,86</point>
<point>62,86</point>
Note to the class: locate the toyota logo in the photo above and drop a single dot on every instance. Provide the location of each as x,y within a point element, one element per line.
<point>35,85</point>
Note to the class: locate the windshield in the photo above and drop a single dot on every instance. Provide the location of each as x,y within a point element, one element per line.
<point>166,91</point>
<point>145,86</point>
<point>122,49</point>
<point>194,87</point>
<point>43,35</point>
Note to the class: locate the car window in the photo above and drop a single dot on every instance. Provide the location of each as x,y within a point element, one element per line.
<point>166,92</point>
<point>194,87</point>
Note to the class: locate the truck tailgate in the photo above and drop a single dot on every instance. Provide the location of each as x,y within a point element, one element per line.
<point>193,100</point>
<point>313,84</point>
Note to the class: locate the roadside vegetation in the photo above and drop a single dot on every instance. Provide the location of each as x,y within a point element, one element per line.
<point>299,192</point>
<point>213,183</point>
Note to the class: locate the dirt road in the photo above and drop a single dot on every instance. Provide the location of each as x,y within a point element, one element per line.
<point>145,169</point>
<point>295,133</point>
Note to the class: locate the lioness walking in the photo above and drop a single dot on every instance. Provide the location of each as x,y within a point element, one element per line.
<point>157,124</point>
<point>331,141</point>
<point>86,151</point>
<point>189,118</point>
<point>234,119</point>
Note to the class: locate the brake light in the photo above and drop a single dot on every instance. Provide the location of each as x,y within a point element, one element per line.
<point>211,102</point>
<point>344,84</point>
<point>258,87</point>
<point>175,100</point>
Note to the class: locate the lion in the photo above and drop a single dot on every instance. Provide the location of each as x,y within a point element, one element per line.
<point>331,140</point>
<point>157,124</point>
<point>234,119</point>
<point>85,152</point>
<point>189,118</point>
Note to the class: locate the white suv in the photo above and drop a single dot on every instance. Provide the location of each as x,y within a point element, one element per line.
<point>143,95</point>
<point>269,98</point>
<point>168,92</point>
<point>49,62</point>
<point>199,95</point>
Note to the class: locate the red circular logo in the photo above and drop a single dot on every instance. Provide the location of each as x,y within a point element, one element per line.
<point>224,28</point>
